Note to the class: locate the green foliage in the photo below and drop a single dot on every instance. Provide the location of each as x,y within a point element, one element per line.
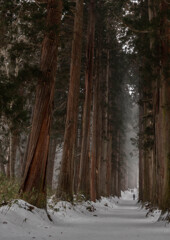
<point>35,197</point>
<point>166,203</point>
<point>8,190</point>
<point>22,29</point>
<point>81,197</point>
<point>65,197</point>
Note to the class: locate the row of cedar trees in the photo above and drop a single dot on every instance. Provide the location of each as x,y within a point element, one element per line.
<point>93,166</point>
<point>96,145</point>
<point>154,122</point>
<point>94,174</point>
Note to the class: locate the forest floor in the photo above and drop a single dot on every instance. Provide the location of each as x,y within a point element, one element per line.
<point>109,219</point>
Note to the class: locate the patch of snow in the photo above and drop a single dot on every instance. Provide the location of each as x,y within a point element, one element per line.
<point>65,210</point>
<point>154,216</point>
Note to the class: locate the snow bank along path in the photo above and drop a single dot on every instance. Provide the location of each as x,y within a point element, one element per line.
<point>113,219</point>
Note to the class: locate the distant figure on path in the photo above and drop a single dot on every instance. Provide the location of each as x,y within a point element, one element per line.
<point>133,196</point>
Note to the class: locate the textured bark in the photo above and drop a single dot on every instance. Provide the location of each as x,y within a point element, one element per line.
<point>109,165</point>
<point>155,180</point>
<point>93,172</point>
<point>2,168</point>
<point>103,142</point>
<point>14,140</point>
<point>21,161</point>
<point>84,184</point>
<point>108,137</point>
<point>146,155</point>
<point>153,183</point>
<point>104,93</point>
<point>146,152</point>
<point>33,188</point>
<point>96,128</point>
<point>78,150</point>
<point>51,158</point>
<point>93,154</point>
<point>117,164</point>
<point>99,137</point>
<point>65,186</point>
<point>140,157</point>
<point>165,82</point>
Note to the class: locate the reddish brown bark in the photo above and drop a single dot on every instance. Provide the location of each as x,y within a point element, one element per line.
<point>94,171</point>
<point>33,187</point>
<point>84,184</point>
<point>96,131</point>
<point>78,149</point>
<point>106,136</point>
<point>155,180</point>
<point>109,165</point>
<point>14,141</point>
<point>65,187</point>
<point>165,98</point>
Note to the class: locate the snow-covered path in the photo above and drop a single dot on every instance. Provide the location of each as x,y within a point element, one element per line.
<point>127,222</point>
<point>110,221</point>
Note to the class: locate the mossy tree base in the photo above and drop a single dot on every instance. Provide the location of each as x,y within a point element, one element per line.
<point>35,198</point>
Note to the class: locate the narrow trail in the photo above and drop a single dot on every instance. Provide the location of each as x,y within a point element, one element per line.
<point>124,220</point>
<point>127,222</point>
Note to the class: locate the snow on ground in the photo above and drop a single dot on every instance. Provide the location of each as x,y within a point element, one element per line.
<point>108,219</point>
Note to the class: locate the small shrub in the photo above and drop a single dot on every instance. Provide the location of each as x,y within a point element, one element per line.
<point>91,208</point>
<point>8,190</point>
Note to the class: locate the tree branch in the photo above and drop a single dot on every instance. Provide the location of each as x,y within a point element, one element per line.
<point>38,2</point>
<point>131,28</point>
<point>41,1</point>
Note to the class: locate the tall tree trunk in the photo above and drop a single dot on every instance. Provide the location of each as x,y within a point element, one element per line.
<point>84,184</point>
<point>117,163</point>
<point>104,138</point>
<point>165,83</point>
<point>2,167</point>
<point>65,186</point>
<point>140,153</point>
<point>104,127</point>
<point>107,137</point>
<point>93,172</point>
<point>153,184</point>
<point>14,140</point>
<point>109,165</point>
<point>78,149</point>
<point>109,131</point>
<point>94,147</point>
<point>33,187</point>
<point>96,132</point>
<point>99,137</point>
<point>51,158</point>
